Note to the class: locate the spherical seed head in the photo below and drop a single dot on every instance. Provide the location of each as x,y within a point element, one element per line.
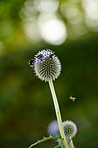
<point>70,129</point>
<point>47,65</point>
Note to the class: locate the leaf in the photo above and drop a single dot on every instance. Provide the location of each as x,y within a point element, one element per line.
<point>45,139</point>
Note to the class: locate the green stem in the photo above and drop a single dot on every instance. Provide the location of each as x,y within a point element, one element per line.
<point>57,110</point>
<point>71,143</point>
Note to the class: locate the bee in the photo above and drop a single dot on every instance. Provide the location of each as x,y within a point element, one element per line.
<point>72,98</point>
<point>52,56</point>
<point>31,62</point>
<point>39,55</point>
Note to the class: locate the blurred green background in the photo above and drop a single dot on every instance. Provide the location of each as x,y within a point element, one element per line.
<point>68,27</point>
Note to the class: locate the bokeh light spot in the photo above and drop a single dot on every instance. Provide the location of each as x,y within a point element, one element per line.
<point>71,12</point>
<point>46,6</point>
<point>53,31</point>
<point>91,13</point>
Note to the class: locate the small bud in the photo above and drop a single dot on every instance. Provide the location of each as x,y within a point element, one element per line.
<point>70,128</point>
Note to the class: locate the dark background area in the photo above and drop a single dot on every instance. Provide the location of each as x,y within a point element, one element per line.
<point>26,106</point>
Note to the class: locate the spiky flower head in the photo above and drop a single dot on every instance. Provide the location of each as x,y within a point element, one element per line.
<point>46,65</point>
<point>70,129</point>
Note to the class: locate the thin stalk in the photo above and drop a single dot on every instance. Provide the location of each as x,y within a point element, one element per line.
<point>71,143</point>
<point>58,114</point>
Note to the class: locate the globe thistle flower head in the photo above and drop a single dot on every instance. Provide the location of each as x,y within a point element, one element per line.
<point>46,65</point>
<point>70,129</point>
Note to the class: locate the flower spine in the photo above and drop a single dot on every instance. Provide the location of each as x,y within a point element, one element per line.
<point>46,65</point>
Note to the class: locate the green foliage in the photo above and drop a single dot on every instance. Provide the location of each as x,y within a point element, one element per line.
<point>45,139</point>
